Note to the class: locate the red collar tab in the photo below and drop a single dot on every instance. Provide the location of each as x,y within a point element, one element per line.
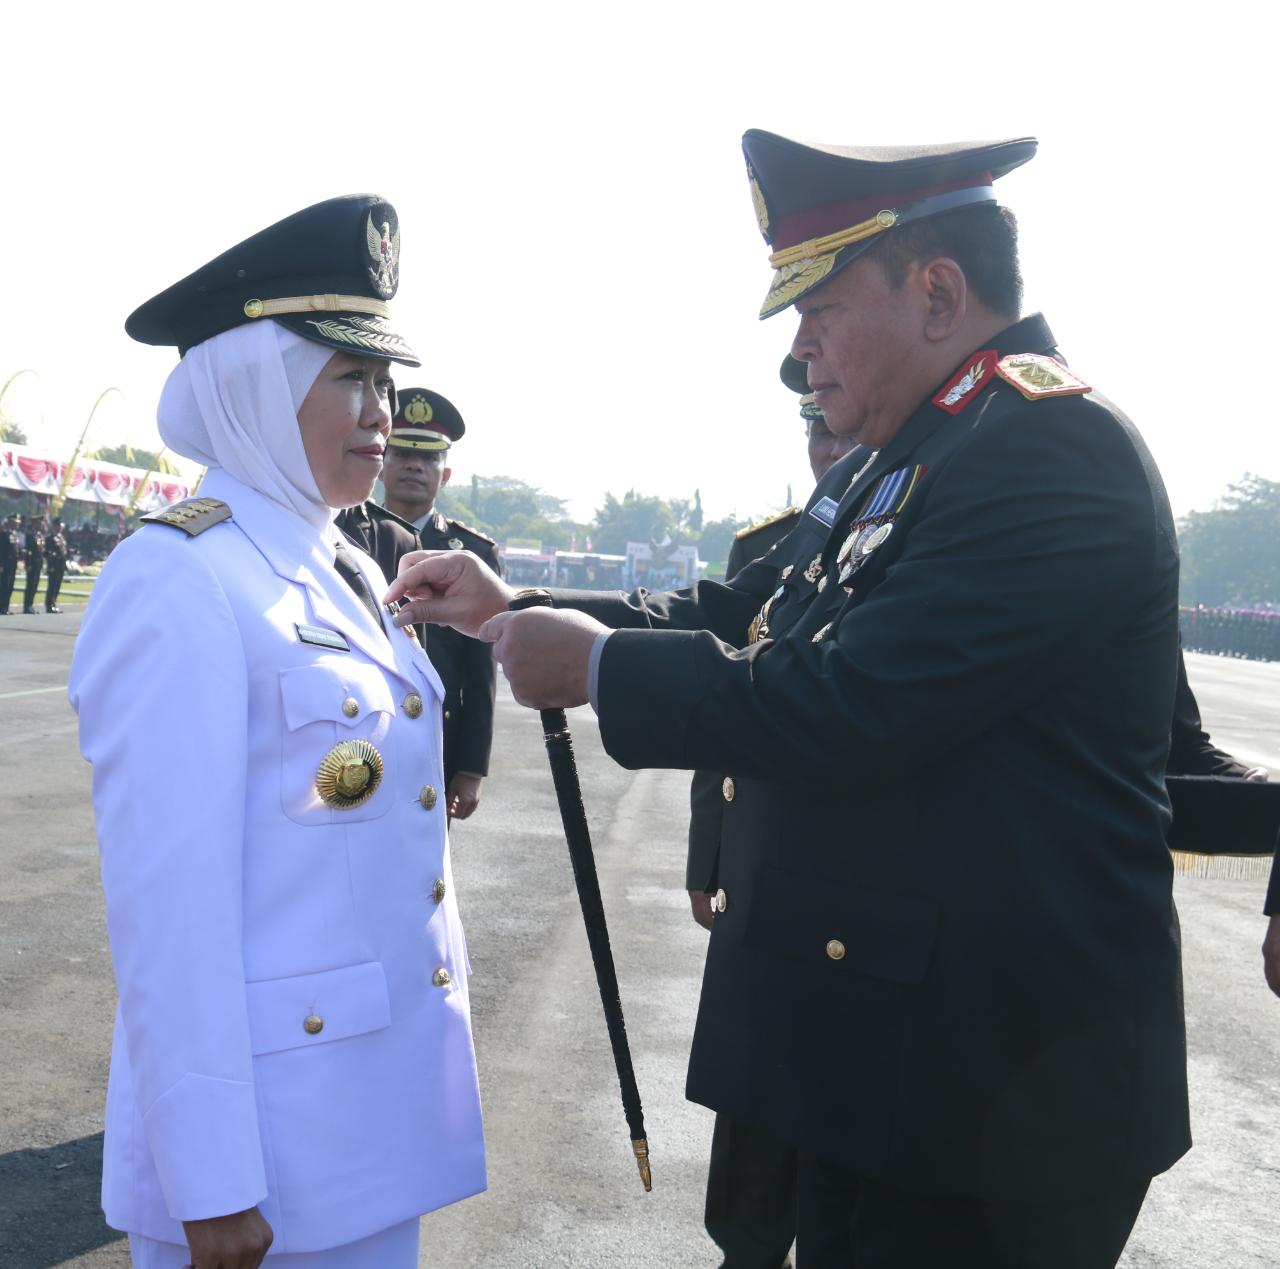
<point>968,381</point>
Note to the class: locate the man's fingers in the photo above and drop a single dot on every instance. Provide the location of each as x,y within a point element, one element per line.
<point>493,629</point>
<point>424,571</point>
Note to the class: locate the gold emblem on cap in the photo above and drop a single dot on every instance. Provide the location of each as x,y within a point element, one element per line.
<point>418,410</point>
<point>253,308</point>
<point>455,544</point>
<point>349,774</point>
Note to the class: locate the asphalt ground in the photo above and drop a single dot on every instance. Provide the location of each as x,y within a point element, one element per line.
<point>563,1188</point>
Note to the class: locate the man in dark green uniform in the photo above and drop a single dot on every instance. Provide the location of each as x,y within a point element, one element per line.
<point>415,469</point>
<point>751,1179</point>
<point>946,966</point>
<point>56,559</point>
<point>33,559</point>
<point>10,550</point>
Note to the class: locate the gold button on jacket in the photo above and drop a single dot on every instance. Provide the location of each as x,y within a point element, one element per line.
<point>441,977</point>
<point>727,788</point>
<point>427,797</point>
<point>313,1025</point>
<point>437,891</point>
<point>835,949</point>
<point>412,705</point>
<point>351,707</point>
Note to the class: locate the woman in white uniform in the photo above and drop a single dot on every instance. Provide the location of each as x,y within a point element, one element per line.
<point>292,1065</point>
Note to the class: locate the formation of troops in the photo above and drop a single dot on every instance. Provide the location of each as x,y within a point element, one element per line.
<point>1250,633</point>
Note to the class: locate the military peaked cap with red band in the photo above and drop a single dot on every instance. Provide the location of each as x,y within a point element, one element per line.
<point>820,207</point>
<point>327,272</point>
<point>424,420</point>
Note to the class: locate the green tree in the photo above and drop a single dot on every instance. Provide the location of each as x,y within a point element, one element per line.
<point>11,432</point>
<point>633,518</point>
<point>1229,554</point>
<point>124,456</point>
<point>717,538</point>
<point>506,508</point>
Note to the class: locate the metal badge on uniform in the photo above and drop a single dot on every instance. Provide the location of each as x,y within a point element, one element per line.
<point>825,510</point>
<point>322,637</point>
<point>455,544</point>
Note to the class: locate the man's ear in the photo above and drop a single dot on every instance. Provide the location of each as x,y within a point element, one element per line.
<point>445,473</point>
<point>946,293</point>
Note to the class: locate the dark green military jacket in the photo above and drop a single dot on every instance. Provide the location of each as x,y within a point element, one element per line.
<point>706,806</point>
<point>949,955</point>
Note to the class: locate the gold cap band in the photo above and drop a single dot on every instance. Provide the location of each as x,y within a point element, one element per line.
<point>878,223</point>
<point>317,304</point>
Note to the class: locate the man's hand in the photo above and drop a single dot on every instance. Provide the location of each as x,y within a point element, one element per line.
<point>700,902</point>
<point>1257,775</point>
<point>1271,955</point>
<point>463,796</point>
<point>228,1242</point>
<point>544,653</point>
<point>447,588</point>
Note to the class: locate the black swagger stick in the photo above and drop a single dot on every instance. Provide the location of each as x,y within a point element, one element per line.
<point>564,773</point>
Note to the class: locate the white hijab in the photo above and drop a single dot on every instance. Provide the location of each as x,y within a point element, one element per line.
<point>233,401</point>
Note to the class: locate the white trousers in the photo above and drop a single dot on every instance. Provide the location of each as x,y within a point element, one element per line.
<point>394,1248</point>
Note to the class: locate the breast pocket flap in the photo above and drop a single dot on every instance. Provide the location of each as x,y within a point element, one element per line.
<point>345,693</point>
<point>310,1009</point>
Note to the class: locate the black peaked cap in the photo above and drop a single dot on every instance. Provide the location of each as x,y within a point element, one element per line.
<point>330,270</point>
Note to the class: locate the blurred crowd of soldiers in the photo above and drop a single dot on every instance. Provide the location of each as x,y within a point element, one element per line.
<point>1251,633</point>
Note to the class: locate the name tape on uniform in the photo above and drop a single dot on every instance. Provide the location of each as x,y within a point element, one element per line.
<point>322,638</point>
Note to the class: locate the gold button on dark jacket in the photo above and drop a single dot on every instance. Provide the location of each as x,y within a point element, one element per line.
<point>441,977</point>
<point>721,901</point>
<point>413,705</point>
<point>835,949</point>
<point>427,797</point>
<point>313,1025</point>
<point>727,788</point>
<point>351,707</point>
<point>438,891</point>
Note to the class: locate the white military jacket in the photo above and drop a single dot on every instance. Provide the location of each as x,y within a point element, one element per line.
<point>293,1028</point>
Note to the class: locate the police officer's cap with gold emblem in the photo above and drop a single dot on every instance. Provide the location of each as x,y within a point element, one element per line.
<point>327,272</point>
<point>819,207</point>
<point>795,374</point>
<point>425,420</point>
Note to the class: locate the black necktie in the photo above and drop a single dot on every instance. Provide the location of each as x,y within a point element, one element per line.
<point>351,574</point>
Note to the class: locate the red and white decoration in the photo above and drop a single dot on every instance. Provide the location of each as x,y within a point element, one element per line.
<point>26,469</point>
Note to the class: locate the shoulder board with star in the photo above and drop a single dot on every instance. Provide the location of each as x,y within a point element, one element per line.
<point>1036,375</point>
<point>193,516</point>
<point>789,514</point>
<point>456,526</point>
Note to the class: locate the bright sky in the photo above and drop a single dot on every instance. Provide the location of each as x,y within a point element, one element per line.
<point>581,266</point>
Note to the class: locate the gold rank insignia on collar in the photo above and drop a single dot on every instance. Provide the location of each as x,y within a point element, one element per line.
<point>1036,375</point>
<point>192,516</point>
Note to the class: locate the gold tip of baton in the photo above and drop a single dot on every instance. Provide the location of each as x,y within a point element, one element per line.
<point>641,1146</point>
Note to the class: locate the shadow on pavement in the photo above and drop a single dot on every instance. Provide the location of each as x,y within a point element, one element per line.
<point>49,1204</point>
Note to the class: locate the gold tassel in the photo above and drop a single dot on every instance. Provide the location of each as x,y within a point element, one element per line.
<point>1222,867</point>
<point>641,1147</point>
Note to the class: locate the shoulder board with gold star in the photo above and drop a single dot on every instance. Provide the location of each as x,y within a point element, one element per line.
<point>766,522</point>
<point>1037,376</point>
<point>193,516</point>
<point>475,533</point>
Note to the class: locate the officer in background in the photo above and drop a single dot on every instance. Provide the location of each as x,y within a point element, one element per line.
<point>56,555</point>
<point>33,557</point>
<point>10,549</point>
<point>415,469</point>
<point>751,1181</point>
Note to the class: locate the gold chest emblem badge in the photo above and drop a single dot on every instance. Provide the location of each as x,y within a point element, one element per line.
<point>349,774</point>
